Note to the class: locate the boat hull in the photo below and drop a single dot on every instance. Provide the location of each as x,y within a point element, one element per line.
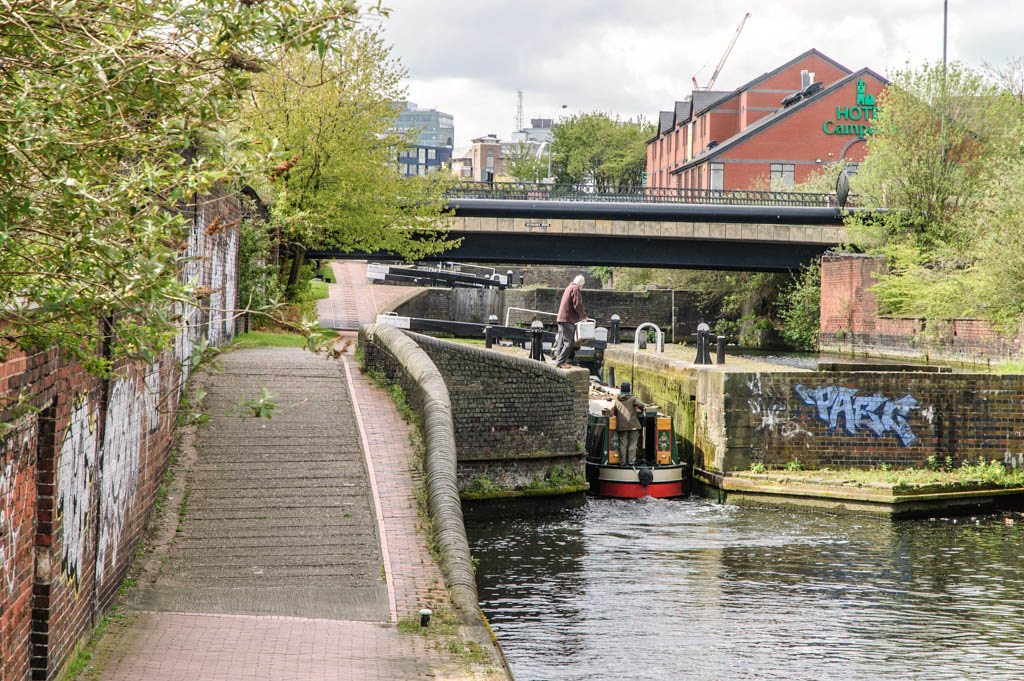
<point>624,482</point>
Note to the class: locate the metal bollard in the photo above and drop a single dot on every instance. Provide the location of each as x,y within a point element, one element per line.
<point>703,354</point>
<point>488,337</point>
<point>720,354</point>
<point>613,336</point>
<point>537,340</point>
<point>611,375</point>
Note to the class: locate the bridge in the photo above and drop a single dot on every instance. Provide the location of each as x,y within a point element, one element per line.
<point>513,223</point>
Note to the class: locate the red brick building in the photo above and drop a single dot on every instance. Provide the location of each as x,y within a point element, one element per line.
<point>772,132</point>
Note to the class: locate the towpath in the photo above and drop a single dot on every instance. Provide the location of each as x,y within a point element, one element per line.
<point>292,548</point>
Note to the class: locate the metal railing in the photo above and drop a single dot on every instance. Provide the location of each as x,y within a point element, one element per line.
<point>529,191</point>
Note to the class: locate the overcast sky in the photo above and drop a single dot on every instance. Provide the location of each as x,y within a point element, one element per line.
<point>468,57</point>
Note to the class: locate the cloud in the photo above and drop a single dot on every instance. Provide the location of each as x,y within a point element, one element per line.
<point>634,59</point>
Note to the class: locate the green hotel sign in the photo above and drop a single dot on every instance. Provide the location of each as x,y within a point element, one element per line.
<point>854,120</point>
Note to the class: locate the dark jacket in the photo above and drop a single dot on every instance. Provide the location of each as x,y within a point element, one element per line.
<point>625,412</point>
<point>571,308</point>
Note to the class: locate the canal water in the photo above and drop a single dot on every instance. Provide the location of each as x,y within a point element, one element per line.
<point>687,589</point>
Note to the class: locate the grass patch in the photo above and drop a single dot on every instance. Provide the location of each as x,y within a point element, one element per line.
<point>1009,367</point>
<point>183,511</point>
<point>977,473</point>
<point>276,339</point>
<point>79,666</point>
<point>318,290</point>
<point>327,273</point>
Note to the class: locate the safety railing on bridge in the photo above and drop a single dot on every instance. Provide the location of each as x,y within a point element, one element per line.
<point>529,191</point>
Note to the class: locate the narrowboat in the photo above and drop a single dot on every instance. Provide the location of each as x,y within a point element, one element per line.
<point>660,474</point>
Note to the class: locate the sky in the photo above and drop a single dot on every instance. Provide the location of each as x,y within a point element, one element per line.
<point>632,59</point>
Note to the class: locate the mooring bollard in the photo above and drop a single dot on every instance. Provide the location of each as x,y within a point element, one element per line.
<point>488,336</point>
<point>614,334</point>
<point>611,376</point>
<point>537,340</point>
<point>703,353</point>
<point>720,355</point>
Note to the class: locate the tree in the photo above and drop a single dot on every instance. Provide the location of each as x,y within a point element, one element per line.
<point>943,146</point>
<point>596,149</point>
<point>331,116</point>
<point>113,116</point>
<point>528,161</point>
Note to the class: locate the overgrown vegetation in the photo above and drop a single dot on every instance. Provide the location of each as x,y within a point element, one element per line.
<point>115,116</point>
<point>945,159</point>
<point>944,473</point>
<point>327,117</point>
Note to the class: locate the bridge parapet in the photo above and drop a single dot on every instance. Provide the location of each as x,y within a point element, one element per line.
<point>530,191</point>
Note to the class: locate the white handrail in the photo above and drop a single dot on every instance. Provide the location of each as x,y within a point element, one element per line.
<point>660,336</point>
<point>523,309</point>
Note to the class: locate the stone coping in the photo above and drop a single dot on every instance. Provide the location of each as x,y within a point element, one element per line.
<point>893,499</point>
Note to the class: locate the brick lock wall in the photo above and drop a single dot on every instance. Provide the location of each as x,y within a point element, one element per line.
<point>79,472</point>
<point>854,419</point>
<point>513,418</point>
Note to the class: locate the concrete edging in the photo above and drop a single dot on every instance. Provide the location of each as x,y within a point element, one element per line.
<point>440,464</point>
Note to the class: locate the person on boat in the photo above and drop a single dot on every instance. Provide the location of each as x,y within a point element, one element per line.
<point>570,311</point>
<point>627,424</point>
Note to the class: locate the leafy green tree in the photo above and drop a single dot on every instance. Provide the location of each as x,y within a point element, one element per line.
<point>528,162</point>
<point>597,149</point>
<point>944,152</point>
<point>800,308</point>
<point>113,116</point>
<point>331,116</point>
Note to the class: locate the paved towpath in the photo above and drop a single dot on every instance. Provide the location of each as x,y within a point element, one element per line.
<point>291,546</point>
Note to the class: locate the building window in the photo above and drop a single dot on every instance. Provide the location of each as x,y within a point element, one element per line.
<point>717,172</point>
<point>852,168</point>
<point>782,175</point>
<point>422,155</point>
<point>431,154</point>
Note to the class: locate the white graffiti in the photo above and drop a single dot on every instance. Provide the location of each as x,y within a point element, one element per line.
<point>877,413</point>
<point>13,509</point>
<point>772,410</point>
<point>153,397</point>
<point>119,468</point>
<point>74,486</point>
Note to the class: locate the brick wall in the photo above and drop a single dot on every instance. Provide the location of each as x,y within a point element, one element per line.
<point>514,418</point>
<point>81,459</point>
<point>850,322</point>
<point>859,419</point>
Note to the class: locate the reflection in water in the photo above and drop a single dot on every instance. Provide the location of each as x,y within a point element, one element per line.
<point>661,589</point>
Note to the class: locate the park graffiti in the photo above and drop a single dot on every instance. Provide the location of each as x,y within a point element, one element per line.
<point>876,413</point>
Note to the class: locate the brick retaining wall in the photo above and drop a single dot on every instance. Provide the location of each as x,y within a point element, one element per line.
<point>860,420</point>
<point>732,419</point>
<point>633,308</point>
<point>514,418</point>
<point>850,322</point>
<point>81,459</point>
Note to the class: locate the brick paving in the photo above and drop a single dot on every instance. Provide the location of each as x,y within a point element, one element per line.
<point>276,570</point>
<point>354,301</point>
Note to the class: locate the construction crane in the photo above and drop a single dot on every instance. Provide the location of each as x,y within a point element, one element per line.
<point>721,62</point>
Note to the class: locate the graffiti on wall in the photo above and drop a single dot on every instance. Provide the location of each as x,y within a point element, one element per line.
<point>876,413</point>
<point>13,507</point>
<point>772,410</point>
<point>119,471</point>
<point>74,486</point>
<point>153,397</point>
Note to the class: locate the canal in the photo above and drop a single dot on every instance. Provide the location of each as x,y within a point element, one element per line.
<point>658,589</point>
